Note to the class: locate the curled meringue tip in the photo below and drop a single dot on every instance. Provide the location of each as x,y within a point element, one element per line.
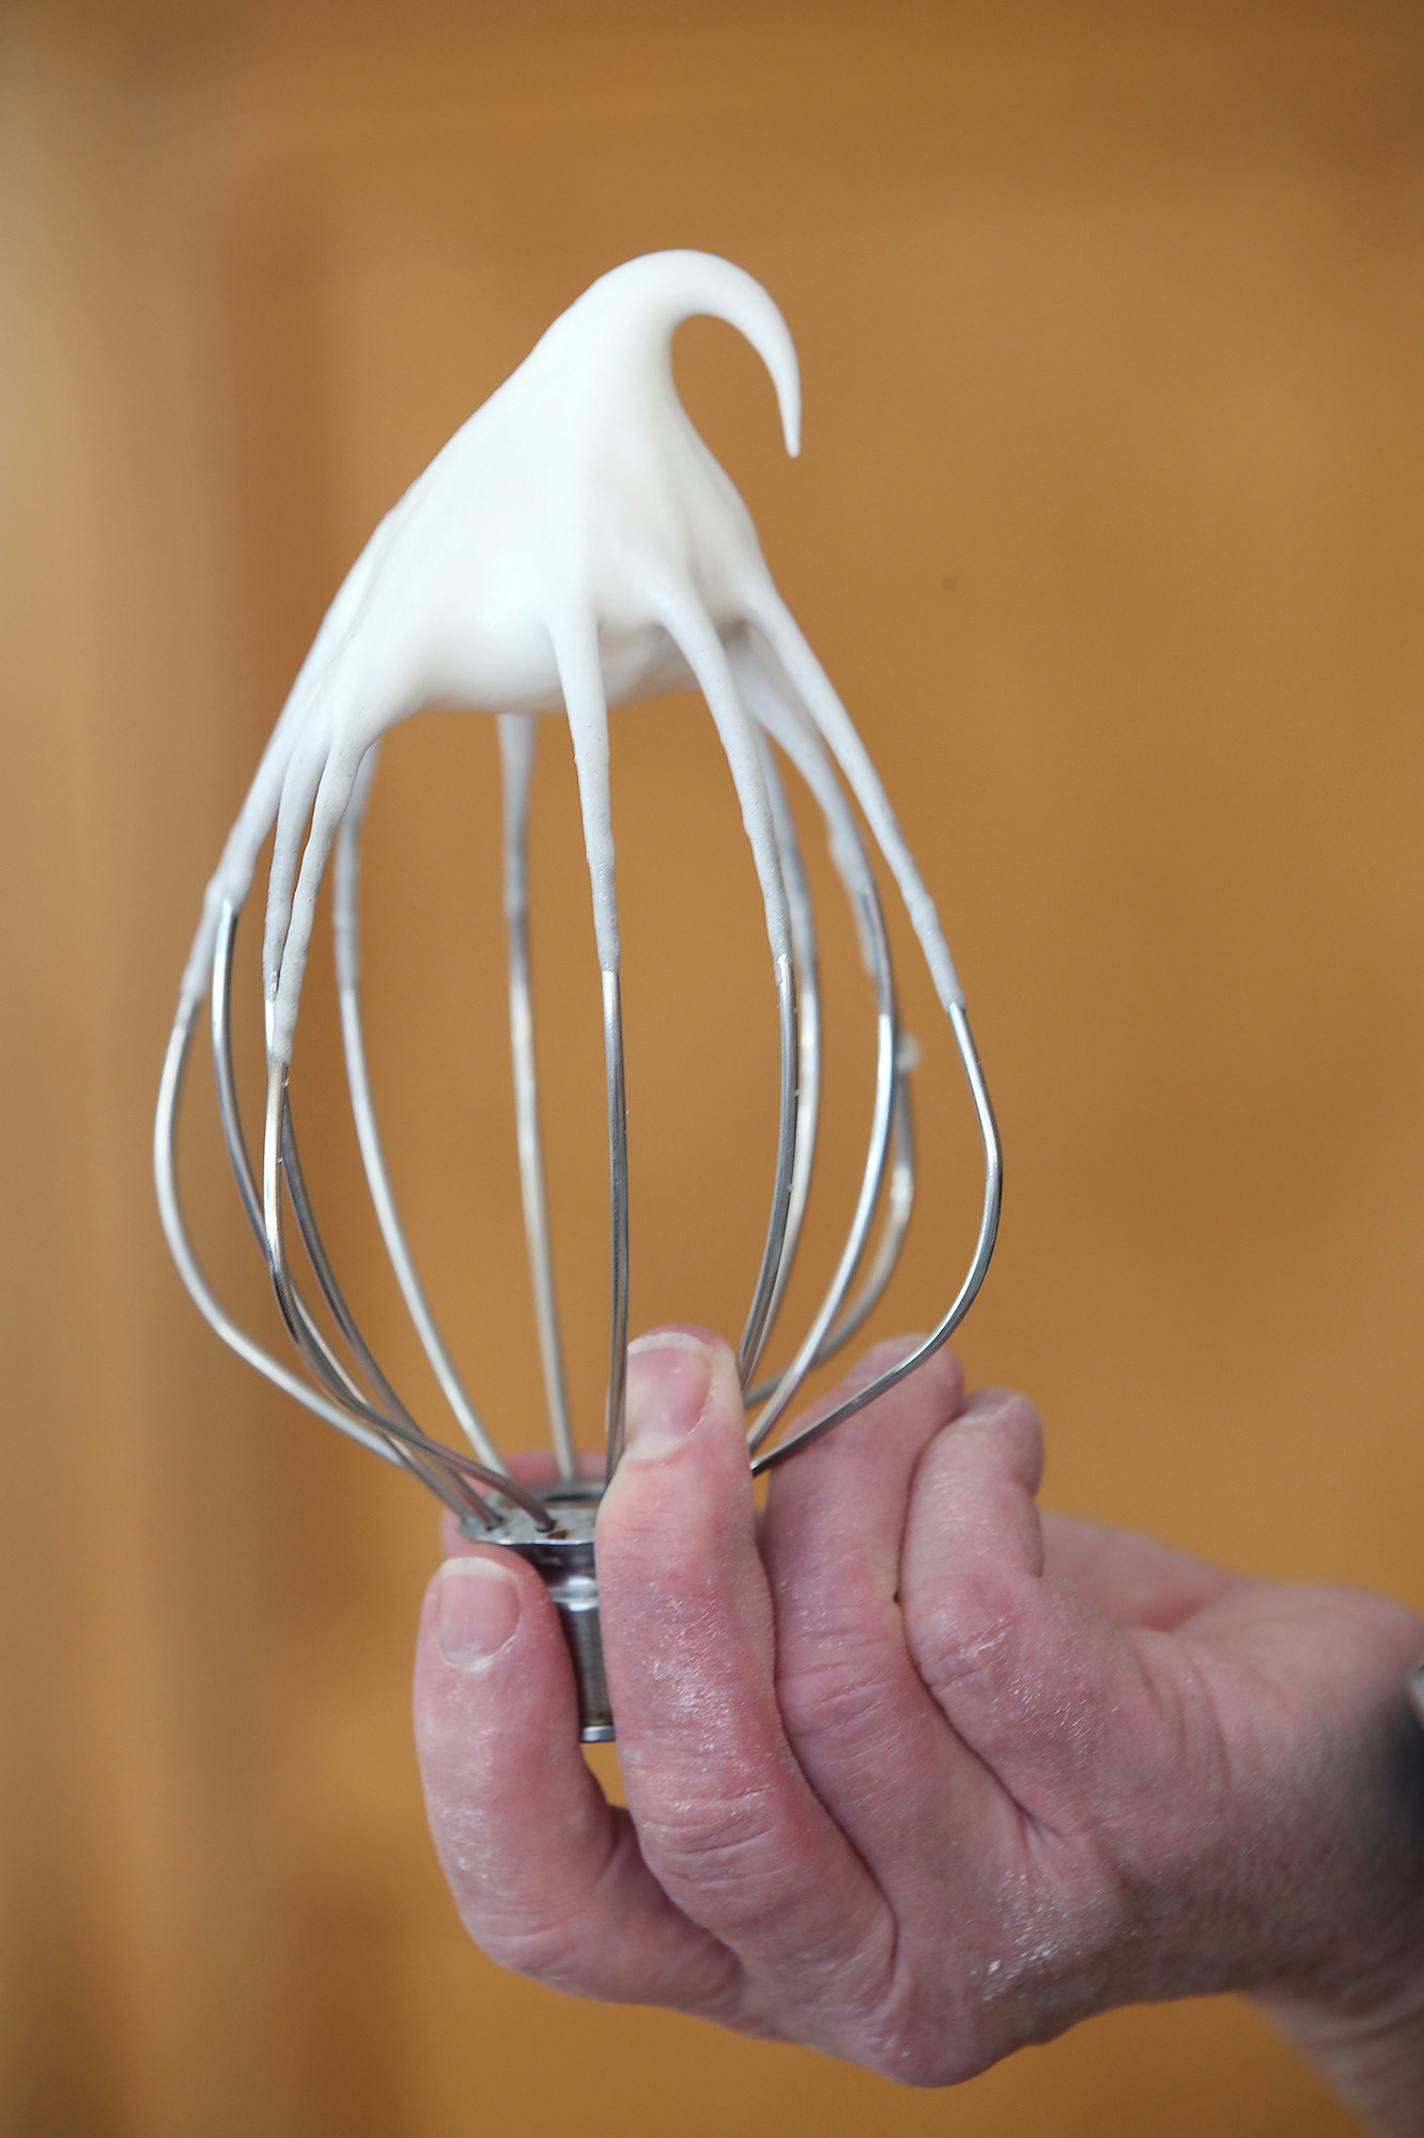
<point>665,288</point>
<point>791,418</point>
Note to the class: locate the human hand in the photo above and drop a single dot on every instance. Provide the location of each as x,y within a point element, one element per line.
<point>915,1774</point>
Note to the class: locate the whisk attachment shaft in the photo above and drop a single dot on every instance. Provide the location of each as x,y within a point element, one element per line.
<point>563,1557</point>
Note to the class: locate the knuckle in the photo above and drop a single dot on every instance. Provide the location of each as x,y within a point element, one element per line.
<point>822,1704</point>
<point>916,2046</point>
<point>728,1838</point>
<point>559,1948</point>
<point>541,1952</point>
<point>832,1697</point>
<point>921,2059</point>
<point>648,1562</point>
<point>968,1633</point>
<point>631,1530</point>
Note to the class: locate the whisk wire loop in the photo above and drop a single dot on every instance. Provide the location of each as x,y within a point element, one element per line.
<point>711,669</point>
<point>165,1136</point>
<point>346,932</point>
<point>806,969</point>
<point>969,1289</point>
<point>779,717</point>
<point>422,1454</point>
<point>516,746</point>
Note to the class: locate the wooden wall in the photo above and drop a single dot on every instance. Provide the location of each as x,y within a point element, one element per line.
<point>1108,524</point>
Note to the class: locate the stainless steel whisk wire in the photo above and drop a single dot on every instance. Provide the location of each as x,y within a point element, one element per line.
<point>374,1415</point>
<point>618,562</point>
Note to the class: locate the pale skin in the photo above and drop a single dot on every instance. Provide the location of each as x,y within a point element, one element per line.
<point>917,1774</point>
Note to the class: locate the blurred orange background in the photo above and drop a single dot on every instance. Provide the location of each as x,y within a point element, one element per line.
<point>1108,526</point>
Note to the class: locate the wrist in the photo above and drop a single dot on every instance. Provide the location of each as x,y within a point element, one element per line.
<point>1371,2054</point>
<point>1360,2020</point>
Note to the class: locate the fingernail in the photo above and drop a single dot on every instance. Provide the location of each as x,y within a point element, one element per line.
<point>477,1601</point>
<point>669,1374</point>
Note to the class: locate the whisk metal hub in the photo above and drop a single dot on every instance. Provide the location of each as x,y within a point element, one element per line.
<point>563,1557</point>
